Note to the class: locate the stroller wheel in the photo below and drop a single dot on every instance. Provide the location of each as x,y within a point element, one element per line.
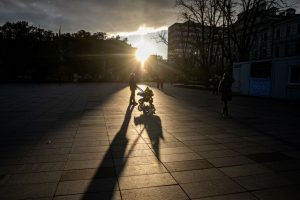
<point>141,101</point>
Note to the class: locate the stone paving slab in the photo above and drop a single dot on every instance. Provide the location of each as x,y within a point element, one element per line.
<point>136,160</point>
<point>211,188</point>
<point>82,186</point>
<point>187,165</point>
<point>173,192</point>
<point>88,174</point>
<point>136,170</point>
<point>238,196</point>
<point>87,164</point>
<point>262,181</point>
<point>268,157</point>
<point>31,178</point>
<point>218,153</point>
<point>208,147</point>
<point>286,165</point>
<point>89,156</point>
<point>132,182</point>
<point>278,193</point>
<point>39,167</point>
<point>245,170</point>
<point>132,153</point>
<point>230,161</point>
<point>92,196</point>
<point>44,159</point>
<point>179,157</point>
<point>199,142</point>
<point>97,149</point>
<point>174,150</point>
<point>26,191</point>
<point>197,175</point>
<point>293,176</point>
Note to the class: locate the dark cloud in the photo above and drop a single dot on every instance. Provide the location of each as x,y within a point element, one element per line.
<point>92,15</point>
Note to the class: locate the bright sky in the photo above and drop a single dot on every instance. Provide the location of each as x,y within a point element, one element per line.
<point>144,38</point>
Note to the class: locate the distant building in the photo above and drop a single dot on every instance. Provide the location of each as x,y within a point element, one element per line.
<point>184,39</point>
<point>191,48</point>
<point>181,40</point>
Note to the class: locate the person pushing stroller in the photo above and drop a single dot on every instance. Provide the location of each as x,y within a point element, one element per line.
<point>132,86</point>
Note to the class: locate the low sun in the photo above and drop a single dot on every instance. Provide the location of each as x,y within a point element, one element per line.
<point>144,50</point>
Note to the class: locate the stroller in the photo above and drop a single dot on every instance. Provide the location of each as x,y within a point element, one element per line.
<point>146,97</point>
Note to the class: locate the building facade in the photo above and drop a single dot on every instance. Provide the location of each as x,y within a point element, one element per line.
<point>181,40</point>
<point>278,38</point>
<point>194,49</point>
<point>274,66</point>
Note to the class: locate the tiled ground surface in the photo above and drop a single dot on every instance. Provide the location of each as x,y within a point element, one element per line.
<point>83,142</point>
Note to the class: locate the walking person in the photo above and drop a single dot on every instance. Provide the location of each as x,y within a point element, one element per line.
<point>225,91</point>
<point>215,84</point>
<point>157,82</point>
<point>133,87</point>
<point>161,83</point>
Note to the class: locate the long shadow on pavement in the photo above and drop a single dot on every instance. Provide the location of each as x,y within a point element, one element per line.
<point>104,184</point>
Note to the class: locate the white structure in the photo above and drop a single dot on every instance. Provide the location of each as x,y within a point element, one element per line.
<point>278,78</point>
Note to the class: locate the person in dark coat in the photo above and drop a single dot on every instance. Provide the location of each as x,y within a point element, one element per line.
<point>215,84</point>
<point>133,86</point>
<point>157,82</point>
<point>161,83</point>
<point>225,91</point>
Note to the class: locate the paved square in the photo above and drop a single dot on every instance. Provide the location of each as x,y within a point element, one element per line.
<point>83,141</point>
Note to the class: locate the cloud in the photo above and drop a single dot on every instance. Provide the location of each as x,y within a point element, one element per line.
<point>110,16</point>
<point>142,30</point>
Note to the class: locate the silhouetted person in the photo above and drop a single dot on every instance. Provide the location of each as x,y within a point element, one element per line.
<point>133,86</point>
<point>225,90</point>
<point>215,84</point>
<point>161,83</point>
<point>157,82</point>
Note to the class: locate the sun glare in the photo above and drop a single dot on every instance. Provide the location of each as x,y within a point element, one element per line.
<point>144,50</point>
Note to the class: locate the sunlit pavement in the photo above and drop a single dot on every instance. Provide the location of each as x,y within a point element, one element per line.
<point>84,142</point>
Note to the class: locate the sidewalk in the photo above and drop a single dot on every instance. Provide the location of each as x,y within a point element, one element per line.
<point>84,142</point>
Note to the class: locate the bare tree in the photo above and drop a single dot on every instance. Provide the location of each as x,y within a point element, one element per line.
<point>161,37</point>
<point>186,60</point>
<point>241,29</point>
<point>226,30</point>
<point>205,18</point>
